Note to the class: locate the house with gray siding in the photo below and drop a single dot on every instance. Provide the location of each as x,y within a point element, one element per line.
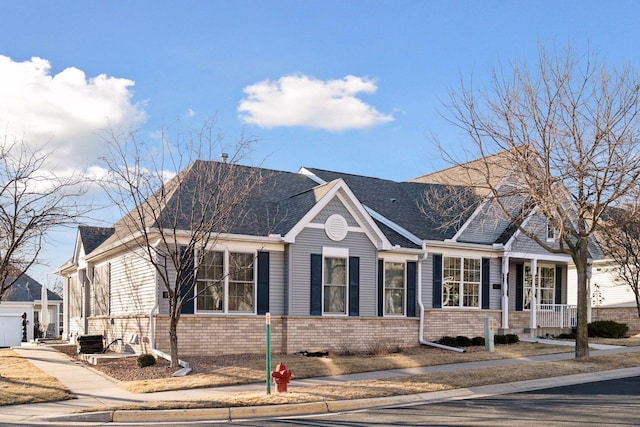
<point>344,262</point>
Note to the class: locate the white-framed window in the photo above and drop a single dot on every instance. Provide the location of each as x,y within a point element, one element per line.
<point>461,280</point>
<point>334,286</point>
<point>394,288</point>
<point>545,285</point>
<point>552,231</point>
<point>225,282</point>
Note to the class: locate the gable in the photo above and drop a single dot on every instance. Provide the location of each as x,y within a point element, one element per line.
<point>336,202</point>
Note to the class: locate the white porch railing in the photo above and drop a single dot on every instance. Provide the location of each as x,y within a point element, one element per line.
<point>556,315</point>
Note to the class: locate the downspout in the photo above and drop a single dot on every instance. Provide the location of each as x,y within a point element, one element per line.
<point>152,343</point>
<point>421,305</point>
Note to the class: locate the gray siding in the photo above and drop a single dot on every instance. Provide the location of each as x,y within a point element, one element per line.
<point>277,283</point>
<point>487,226</point>
<point>310,241</point>
<point>495,277</point>
<point>524,244</point>
<point>335,206</point>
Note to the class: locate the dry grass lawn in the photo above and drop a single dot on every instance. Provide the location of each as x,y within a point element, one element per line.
<point>407,384</point>
<point>21,382</point>
<point>252,371</point>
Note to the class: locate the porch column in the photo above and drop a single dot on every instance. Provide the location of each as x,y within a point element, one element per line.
<point>589,302</point>
<point>505,292</point>
<point>534,290</point>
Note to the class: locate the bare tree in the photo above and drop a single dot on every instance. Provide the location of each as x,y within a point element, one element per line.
<point>623,248</point>
<point>34,200</point>
<point>171,219</point>
<point>568,140</point>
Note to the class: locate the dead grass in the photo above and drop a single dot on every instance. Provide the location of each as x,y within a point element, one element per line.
<point>406,385</point>
<point>252,370</point>
<point>21,382</point>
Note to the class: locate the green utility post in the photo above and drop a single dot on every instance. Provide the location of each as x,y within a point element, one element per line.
<point>488,334</point>
<point>268,326</point>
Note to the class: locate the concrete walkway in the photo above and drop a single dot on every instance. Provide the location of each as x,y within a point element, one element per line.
<point>95,390</point>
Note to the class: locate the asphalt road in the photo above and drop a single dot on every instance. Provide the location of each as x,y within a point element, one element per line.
<point>605,403</point>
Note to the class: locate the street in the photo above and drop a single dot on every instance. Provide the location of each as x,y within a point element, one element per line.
<point>613,402</point>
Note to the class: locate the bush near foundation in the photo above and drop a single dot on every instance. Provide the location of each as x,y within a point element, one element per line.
<point>607,329</point>
<point>144,360</point>
<point>506,339</point>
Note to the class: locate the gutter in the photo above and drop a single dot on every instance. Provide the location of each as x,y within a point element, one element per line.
<point>152,342</point>
<point>421,305</point>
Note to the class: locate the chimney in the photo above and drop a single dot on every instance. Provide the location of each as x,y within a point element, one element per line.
<point>224,157</point>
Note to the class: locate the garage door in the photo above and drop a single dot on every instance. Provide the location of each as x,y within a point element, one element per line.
<point>10,330</point>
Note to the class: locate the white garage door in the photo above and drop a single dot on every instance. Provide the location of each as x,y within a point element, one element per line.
<point>10,330</point>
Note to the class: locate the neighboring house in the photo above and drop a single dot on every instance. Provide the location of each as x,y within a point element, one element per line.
<point>21,302</point>
<point>340,261</point>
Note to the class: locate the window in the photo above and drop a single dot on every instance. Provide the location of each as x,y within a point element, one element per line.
<point>552,231</point>
<point>461,279</point>
<point>233,291</point>
<point>394,288</point>
<point>335,285</point>
<point>241,282</point>
<point>545,285</point>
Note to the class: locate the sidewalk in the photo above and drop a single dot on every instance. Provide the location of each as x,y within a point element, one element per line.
<point>94,390</point>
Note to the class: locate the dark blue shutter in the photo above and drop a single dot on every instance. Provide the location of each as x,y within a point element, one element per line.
<point>558,296</point>
<point>354,286</point>
<point>316,285</point>
<point>380,287</point>
<point>411,288</point>
<point>263,282</point>
<point>187,282</point>
<point>437,281</point>
<point>486,285</point>
<point>519,286</point>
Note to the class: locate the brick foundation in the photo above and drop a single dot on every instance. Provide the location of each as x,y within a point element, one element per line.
<point>628,315</point>
<point>469,323</point>
<point>218,335</point>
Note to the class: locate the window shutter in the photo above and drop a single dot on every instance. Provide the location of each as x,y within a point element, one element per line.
<point>263,282</point>
<point>486,285</point>
<point>187,284</point>
<point>558,296</point>
<point>354,286</point>
<point>437,281</point>
<point>411,288</point>
<point>316,285</point>
<point>519,286</point>
<point>380,287</point>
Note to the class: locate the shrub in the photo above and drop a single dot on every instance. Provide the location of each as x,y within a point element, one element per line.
<point>607,329</point>
<point>571,336</point>
<point>477,341</point>
<point>450,341</point>
<point>463,341</point>
<point>146,359</point>
<point>500,339</point>
<point>512,338</point>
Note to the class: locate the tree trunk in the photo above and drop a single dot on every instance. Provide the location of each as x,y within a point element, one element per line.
<point>582,335</point>
<point>173,341</point>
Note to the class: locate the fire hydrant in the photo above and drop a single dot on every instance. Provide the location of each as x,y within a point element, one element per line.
<point>281,377</point>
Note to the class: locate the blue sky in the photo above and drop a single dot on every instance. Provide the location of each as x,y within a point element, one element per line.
<point>354,86</point>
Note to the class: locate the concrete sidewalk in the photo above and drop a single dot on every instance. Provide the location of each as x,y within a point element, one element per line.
<point>95,390</point>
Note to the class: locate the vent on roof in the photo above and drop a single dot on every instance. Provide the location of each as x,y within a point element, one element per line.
<point>336,227</point>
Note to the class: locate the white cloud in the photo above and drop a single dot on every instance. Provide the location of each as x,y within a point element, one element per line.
<point>299,100</point>
<point>65,110</point>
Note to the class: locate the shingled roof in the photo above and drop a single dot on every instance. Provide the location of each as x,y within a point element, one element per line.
<point>26,289</point>
<point>278,201</point>
<point>400,202</point>
<point>92,237</point>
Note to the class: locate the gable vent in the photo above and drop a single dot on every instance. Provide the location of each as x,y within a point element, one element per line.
<point>336,227</point>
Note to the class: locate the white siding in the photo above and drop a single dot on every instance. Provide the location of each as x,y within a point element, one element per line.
<point>133,285</point>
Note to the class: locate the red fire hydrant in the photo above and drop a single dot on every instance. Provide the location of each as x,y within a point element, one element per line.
<point>281,377</point>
